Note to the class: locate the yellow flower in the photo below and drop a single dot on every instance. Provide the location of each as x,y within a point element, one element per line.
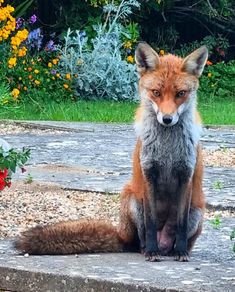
<point>36,71</point>
<point>22,52</point>
<point>12,62</point>
<point>65,86</point>
<point>130,59</point>
<point>49,65</point>
<point>209,74</point>
<point>25,88</point>
<point>37,82</point>
<point>127,45</point>
<point>20,78</point>
<point>162,53</point>
<point>15,93</point>
<point>57,75</point>
<point>68,76</point>
<point>55,61</point>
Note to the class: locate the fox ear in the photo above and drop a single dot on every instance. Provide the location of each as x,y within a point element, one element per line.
<point>146,58</point>
<point>195,62</point>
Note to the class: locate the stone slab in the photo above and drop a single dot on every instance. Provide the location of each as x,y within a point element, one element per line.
<point>211,268</point>
<point>98,157</point>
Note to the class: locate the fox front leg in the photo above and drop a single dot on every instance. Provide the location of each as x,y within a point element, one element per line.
<point>181,244</point>
<point>150,216</point>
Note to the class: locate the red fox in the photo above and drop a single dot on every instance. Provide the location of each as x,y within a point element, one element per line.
<point>162,206</point>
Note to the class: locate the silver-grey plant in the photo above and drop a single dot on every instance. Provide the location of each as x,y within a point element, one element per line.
<point>100,70</point>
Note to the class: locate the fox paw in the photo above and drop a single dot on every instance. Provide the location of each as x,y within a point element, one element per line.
<point>181,256</point>
<point>152,256</point>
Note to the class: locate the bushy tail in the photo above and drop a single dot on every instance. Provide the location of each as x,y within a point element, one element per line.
<point>71,237</point>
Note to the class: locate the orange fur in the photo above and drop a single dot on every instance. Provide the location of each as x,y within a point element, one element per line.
<point>164,75</point>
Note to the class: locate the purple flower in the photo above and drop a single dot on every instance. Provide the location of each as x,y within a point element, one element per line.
<point>35,39</point>
<point>50,46</point>
<point>19,22</point>
<point>33,19</point>
<point>53,71</point>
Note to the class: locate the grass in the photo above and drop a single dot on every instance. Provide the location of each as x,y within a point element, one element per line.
<point>213,112</point>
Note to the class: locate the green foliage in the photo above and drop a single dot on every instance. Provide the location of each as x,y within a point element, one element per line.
<point>22,7</point>
<point>216,222</point>
<point>13,158</point>
<point>36,79</point>
<point>215,113</point>
<point>217,185</point>
<point>217,47</point>
<point>218,82</point>
<point>10,159</point>
<point>101,71</point>
<point>4,92</point>
<point>29,179</point>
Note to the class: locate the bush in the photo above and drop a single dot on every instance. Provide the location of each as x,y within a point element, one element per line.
<point>217,82</point>
<point>99,70</point>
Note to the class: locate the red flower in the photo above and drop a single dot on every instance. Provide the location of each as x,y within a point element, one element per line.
<point>2,184</point>
<point>3,173</point>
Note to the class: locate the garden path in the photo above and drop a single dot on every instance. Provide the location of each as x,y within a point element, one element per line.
<point>98,157</point>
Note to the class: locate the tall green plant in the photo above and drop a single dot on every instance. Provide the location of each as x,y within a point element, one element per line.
<point>100,71</point>
<point>22,8</point>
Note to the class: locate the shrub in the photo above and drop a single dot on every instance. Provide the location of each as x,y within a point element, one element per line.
<point>217,47</point>
<point>217,81</point>
<point>10,159</point>
<point>99,71</point>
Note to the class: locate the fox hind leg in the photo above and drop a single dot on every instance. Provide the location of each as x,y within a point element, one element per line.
<point>127,228</point>
<point>194,226</point>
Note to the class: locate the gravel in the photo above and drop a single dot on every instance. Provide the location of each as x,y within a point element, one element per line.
<point>25,205</point>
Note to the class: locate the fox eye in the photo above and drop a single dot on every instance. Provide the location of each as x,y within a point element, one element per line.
<point>180,94</point>
<point>156,93</point>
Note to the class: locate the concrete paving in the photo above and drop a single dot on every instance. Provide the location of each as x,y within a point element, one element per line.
<point>97,157</point>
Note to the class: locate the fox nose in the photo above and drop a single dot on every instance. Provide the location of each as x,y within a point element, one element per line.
<point>167,119</point>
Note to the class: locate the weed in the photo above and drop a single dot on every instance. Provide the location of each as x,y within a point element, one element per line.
<point>217,185</point>
<point>216,221</point>
<point>29,179</point>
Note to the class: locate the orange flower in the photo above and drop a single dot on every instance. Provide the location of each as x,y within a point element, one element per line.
<point>68,76</point>
<point>209,63</point>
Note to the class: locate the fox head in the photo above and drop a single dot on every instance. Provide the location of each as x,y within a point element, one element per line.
<point>169,83</point>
